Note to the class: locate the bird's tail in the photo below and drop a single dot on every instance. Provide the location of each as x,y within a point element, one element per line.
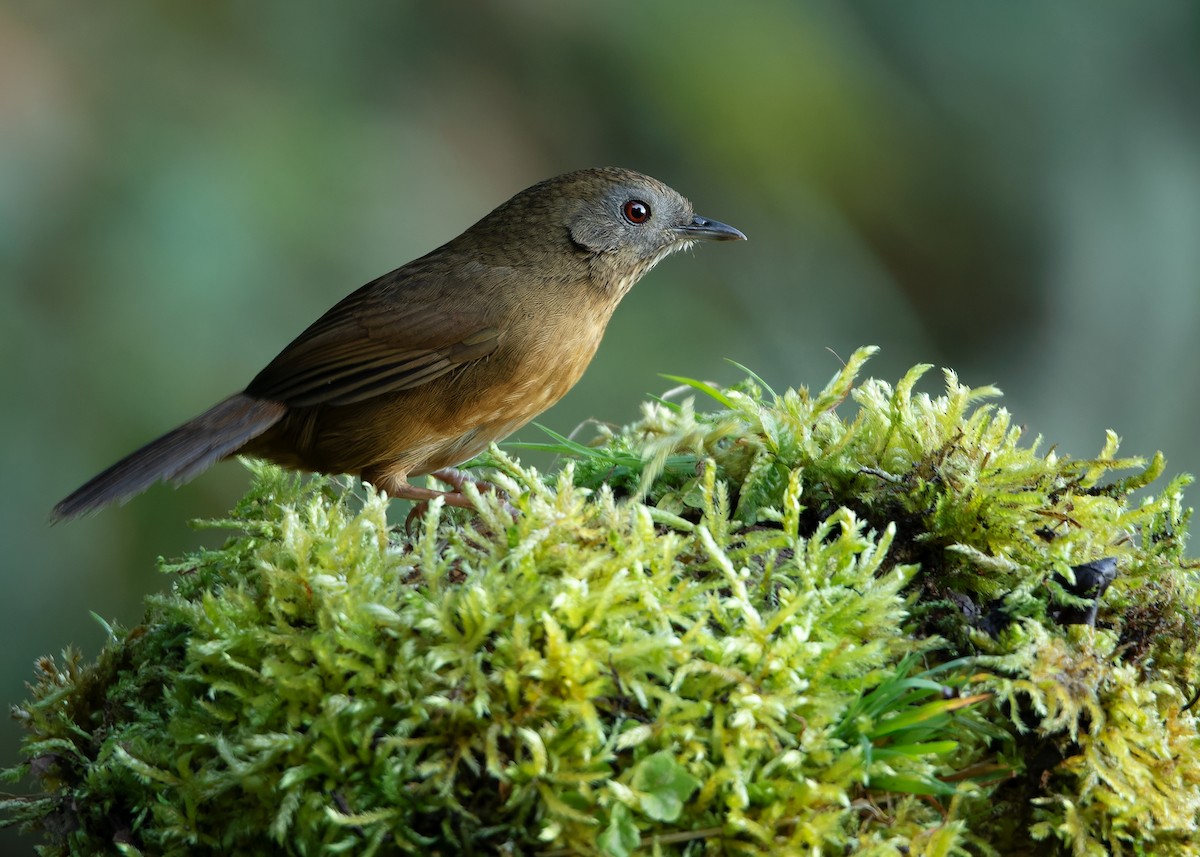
<point>178,456</point>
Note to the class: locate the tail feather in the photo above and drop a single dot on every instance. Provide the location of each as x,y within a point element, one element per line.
<point>178,456</point>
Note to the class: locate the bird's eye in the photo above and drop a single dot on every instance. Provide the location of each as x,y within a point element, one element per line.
<point>636,211</point>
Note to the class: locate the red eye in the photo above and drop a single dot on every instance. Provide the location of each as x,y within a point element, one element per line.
<point>636,211</point>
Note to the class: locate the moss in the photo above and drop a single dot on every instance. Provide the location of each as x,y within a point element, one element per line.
<point>777,627</point>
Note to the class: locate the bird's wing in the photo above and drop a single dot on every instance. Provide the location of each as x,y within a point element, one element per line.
<point>394,334</point>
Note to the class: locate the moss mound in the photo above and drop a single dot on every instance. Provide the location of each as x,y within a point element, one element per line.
<point>794,625</point>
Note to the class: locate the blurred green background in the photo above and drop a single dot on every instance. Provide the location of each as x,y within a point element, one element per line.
<point>1010,189</point>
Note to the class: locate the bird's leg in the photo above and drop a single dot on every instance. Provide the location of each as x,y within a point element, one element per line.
<point>404,490</point>
<point>456,478</point>
<point>399,487</point>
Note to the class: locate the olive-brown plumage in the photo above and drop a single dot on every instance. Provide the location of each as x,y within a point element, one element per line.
<point>422,368</point>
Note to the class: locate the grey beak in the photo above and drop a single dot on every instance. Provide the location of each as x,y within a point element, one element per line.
<point>711,230</point>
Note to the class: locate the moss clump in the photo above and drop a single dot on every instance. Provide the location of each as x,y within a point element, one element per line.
<point>773,629</point>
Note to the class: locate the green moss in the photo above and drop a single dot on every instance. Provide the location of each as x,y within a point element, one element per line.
<point>792,625</point>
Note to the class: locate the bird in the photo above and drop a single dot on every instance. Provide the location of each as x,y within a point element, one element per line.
<point>424,367</point>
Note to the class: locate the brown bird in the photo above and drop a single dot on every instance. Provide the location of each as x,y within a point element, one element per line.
<point>422,368</point>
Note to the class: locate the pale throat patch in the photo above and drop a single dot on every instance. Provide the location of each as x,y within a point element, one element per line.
<point>626,283</point>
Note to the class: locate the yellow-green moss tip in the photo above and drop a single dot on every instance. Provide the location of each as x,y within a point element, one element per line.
<point>797,624</point>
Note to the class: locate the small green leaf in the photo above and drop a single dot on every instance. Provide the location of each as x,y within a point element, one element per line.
<point>620,837</point>
<point>915,750</point>
<point>663,785</point>
<point>924,714</point>
<point>754,377</point>
<point>911,785</point>
<point>702,386</point>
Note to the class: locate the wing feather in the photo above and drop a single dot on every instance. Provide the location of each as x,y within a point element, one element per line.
<point>401,331</point>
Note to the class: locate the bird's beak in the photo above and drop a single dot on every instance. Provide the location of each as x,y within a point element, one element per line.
<point>711,230</point>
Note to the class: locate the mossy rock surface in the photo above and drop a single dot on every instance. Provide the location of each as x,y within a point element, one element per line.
<point>808,623</point>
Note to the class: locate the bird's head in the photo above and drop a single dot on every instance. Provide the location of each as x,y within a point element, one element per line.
<point>631,222</point>
<point>617,222</point>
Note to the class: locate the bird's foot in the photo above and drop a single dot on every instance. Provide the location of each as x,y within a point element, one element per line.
<point>421,497</point>
<point>456,479</point>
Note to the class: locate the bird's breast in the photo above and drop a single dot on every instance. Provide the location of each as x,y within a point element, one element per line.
<point>547,356</point>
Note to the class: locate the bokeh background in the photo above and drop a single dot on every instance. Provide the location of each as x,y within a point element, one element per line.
<point>1009,189</point>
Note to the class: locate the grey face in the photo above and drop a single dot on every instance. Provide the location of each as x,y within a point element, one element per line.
<point>643,219</point>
